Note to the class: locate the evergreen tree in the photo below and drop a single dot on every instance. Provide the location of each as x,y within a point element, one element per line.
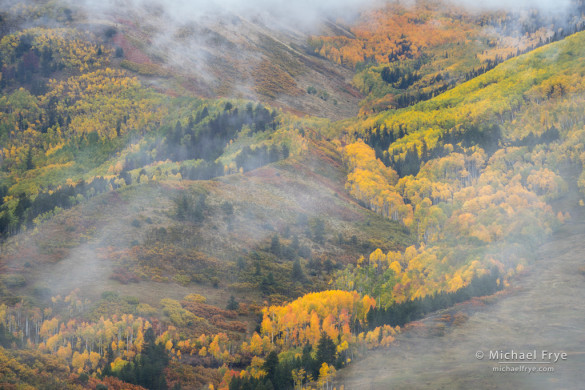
<point>147,368</point>
<point>295,243</point>
<point>319,231</point>
<point>270,366</point>
<point>275,245</point>
<point>150,364</point>
<point>232,304</point>
<point>325,350</point>
<point>297,271</point>
<point>267,285</point>
<point>29,162</point>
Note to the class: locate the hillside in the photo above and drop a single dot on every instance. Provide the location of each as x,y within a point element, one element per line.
<point>404,54</point>
<point>412,363</point>
<point>234,56</point>
<point>476,162</point>
<point>291,201</point>
<point>170,217</point>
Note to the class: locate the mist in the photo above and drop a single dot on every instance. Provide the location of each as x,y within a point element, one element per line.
<point>543,312</point>
<point>303,14</point>
<point>515,5</point>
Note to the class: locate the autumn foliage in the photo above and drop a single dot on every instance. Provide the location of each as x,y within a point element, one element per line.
<point>461,155</point>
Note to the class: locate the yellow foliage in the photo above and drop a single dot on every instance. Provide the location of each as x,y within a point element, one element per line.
<point>304,319</point>
<point>255,369</point>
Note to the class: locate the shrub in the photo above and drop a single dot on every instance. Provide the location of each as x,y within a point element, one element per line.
<point>145,309</point>
<point>195,298</point>
<point>182,279</point>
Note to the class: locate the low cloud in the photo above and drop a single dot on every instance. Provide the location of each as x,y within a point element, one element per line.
<point>558,6</point>
<point>303,14</point>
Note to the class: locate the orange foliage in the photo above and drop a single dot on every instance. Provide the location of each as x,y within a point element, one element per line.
<point>394,31</point>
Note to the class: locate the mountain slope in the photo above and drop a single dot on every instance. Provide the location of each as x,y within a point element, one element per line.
<point>407,53</point>
<point>542,314</point>
<point>228,243</point>
<point>473,171</point>
<point>238,57</point>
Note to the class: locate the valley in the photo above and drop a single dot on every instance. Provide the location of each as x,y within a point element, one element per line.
<point>290,196</point>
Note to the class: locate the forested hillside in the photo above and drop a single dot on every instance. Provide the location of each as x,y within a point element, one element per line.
<point>158,230</point>
<point>403,54</point>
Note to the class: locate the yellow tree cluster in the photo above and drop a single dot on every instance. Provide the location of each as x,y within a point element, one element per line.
<point>84,344</point>
<point>373,183</point>
<point>454,209</point>
<point>105,102</point>
<point>217,346</point>
<point>381,336</point>
<point>466,202</point>
<point>72,48</point>
<point>499,97</point>
<point>304,319</point>
<point>19,123</point>
<point>326,375</point>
